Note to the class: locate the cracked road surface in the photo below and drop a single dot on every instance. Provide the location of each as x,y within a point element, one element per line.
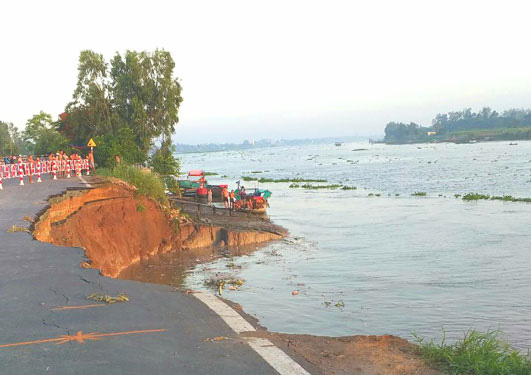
<point>157,332</point>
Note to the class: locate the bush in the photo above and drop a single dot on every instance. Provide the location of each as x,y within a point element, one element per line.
<point>148,184</point>
<point>476,354</point>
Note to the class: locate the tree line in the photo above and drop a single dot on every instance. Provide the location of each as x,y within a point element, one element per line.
<point>128,105</point>
<point>445,124</point>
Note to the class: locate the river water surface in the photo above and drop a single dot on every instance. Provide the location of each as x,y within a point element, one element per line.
<point>393,264</point>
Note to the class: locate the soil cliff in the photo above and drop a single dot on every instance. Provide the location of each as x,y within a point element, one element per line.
<point>117,229</point>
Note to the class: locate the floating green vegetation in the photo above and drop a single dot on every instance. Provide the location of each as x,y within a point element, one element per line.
<point>457,195</point>
<point>476,354</point>
<point>504,198</point>
<point>397,195</point>
<point>316,187</point>
<point>256,172</point>
<point>475,197</point>
<point>210,173</point>
<point>345,187</point>
<point>419,194</point>
<point>296,180</point>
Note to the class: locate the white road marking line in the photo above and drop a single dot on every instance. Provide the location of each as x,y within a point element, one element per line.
<point>279,360</point>
<point>275,357</point>
<point>85,182</point>
<point>231,317</point>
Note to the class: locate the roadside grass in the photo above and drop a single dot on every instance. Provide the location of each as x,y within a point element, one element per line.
<point>476,353</point>
<point>148,184</point>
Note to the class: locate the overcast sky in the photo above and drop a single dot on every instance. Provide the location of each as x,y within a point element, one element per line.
<point>279,69</point>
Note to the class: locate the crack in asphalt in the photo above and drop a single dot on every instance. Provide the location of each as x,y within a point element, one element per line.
<point>50,324</point>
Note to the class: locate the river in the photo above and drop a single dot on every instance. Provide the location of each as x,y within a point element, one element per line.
<point>389,264</point>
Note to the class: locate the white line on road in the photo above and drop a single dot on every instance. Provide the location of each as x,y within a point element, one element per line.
<point>85,182</point>
<point>231,317</point>
<point>279,360</point>
<point>275,357</point>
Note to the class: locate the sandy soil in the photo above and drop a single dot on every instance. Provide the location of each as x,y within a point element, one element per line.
<point>352,355</point>
<point>363,355</point>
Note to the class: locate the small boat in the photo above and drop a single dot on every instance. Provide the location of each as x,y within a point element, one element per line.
<point>513,144</point>
<point>194,185</point>
<point>255,201</point>
<point>338,143</point>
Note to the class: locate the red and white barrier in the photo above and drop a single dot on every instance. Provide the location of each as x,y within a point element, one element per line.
<point>42,167</point>
<point>21,173</point>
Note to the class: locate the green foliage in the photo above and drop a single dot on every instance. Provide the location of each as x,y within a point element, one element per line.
<point>164,163</point>
<point>465,125</point>
<point>122,144</point>
<point>272,180</point>
<point>11,142</point>
<point>476,354</point>
<point>148,184</point>
<point>125,105</point>
<point>419,194</point>
<point>140,207</point>
<point>41,136</point>
<point>210,173</point>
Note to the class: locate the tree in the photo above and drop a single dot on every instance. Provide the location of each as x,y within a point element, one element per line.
<point>41,136</point>
<point>134,100</point>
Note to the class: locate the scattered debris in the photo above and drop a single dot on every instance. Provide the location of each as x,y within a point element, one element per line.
<point>122,297</point>
<point>85,264</point>
<point>295,292</point>
<point>215,339</point>
<point>17,228</point>
<point>29,219</point>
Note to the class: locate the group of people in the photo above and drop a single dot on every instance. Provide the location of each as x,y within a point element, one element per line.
<point>229,199</point>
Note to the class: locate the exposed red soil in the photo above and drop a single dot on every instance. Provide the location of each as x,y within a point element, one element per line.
<point>117,229</point>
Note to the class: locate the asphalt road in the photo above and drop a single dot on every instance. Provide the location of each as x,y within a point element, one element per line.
<point>159,331</point>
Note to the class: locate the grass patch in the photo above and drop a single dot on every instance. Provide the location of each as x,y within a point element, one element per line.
<point>319,187</point>
<point>419,194</point>
<point>148,184</point>
<point>140,207</point>
<point>476,354</point>
<point>278,180</point>
<point>503,198</point>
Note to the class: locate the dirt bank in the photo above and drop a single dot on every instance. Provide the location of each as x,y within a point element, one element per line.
<point>117,229</point>
<point>360,355</point>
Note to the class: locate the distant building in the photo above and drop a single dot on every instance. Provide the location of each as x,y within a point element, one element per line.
<point>431,133</point>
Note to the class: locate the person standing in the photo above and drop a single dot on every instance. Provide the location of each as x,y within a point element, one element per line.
<point>92,166</point>
<point>225,194</point>
<point>209,197</point>
<point>31,168</point>
<point>232,199</point>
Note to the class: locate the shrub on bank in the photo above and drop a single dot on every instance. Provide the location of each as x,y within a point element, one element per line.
<point>476,354</point>
<point>148,184</point>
